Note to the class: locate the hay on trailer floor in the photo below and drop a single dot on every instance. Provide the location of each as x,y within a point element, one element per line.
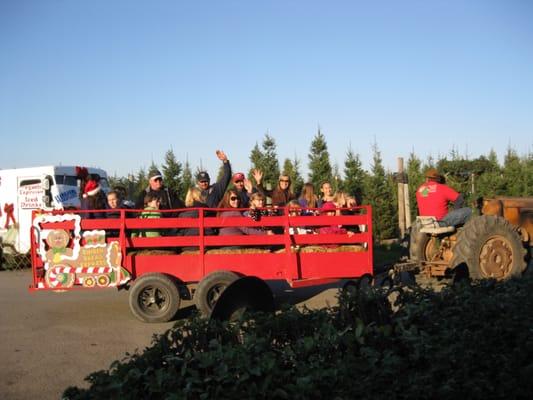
<point>152,252</point>
<point>237,251</point>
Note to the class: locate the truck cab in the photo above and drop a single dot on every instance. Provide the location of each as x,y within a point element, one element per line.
<point>23,190</point>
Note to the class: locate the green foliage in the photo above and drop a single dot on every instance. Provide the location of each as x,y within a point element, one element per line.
<point>172,171</point>
<point>319,165</point>
<point>469,342</point>
<point>266,160</point>
<point>354,176</point>
<point>140,182</point>
<point>187,178</point>
<point>414,179</point>
<point>380,193</point>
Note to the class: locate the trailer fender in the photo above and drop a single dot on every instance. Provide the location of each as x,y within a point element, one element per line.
<point>245,294</point>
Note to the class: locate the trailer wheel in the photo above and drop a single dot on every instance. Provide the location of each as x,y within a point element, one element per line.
<point>210,289</point>
<point>154,298</point>
<point>491,248</point>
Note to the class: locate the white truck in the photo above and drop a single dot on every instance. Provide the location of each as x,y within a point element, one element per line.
<point>23,190</point>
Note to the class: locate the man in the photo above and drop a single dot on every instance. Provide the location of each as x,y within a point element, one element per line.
<point>239,182</point>
<point>167,197</point>
<point>433,198</point>
<point>214,193</point>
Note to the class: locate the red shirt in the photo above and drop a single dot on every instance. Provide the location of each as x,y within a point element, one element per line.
<point>433,199</point>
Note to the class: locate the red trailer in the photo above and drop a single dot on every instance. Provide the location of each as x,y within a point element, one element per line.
<point>72,252</point>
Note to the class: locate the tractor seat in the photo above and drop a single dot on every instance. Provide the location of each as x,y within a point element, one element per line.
<point>431,225</point>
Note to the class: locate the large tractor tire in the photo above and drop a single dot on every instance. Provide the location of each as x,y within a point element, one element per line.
<point>154,298</point>
<point>491,248</point>
<point>210,289</point>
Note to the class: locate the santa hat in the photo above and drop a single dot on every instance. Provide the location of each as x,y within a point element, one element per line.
<point>91,188</point>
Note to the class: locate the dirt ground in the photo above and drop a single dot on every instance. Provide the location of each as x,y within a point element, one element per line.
<point>50,341</point>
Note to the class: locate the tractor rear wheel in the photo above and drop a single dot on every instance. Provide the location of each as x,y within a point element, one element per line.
<point>210,289</point>
<point>491,248</point>
<point>154,298</point>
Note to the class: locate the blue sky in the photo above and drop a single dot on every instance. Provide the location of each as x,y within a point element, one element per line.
<point>115,84</point>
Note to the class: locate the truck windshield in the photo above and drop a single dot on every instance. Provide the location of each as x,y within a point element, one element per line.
<point>66,180</point>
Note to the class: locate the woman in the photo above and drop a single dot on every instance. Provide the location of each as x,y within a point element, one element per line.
<point>231,200</point>
<point>308,199</point>
<point>281,195</point>
<point>194,199</point>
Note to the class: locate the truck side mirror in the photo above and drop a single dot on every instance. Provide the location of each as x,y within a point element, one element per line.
<point>45,183</point>
<point>46,201</point>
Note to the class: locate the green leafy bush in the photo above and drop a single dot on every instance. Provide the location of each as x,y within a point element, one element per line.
<point>472,342</point>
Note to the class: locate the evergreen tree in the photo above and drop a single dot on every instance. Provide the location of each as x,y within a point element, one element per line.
<point>490,182</point>
<point>187,179</point>
<point>256,158</point>
<point>319,165</point>
<point>513,176</point>
<point>265,160</point>
<point>336,182</point>
<point>415,177</point>
<point>172,170</point>
<point>528,173</point>
<point>380,194</point>
<point>354,176</point>
<point>140,182</point>
<point>270,164</point>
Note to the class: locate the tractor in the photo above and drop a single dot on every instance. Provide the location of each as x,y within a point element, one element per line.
<point>495,244</point>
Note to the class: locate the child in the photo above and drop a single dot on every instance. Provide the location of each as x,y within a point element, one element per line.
<point>329,208</point>
<point>295,210</point>
<point>151,210</point>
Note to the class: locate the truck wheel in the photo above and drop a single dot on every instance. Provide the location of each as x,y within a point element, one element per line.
<point>491,248</point>
<point>154,298</point>
<point>210,288</point>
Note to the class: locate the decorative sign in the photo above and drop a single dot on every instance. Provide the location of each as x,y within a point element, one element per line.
<point>86,260</point>
<point>31,196</point>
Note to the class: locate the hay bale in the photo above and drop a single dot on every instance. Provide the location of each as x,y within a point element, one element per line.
<point>152,252</point>
<point>332,249</point>
<point>237,251</point>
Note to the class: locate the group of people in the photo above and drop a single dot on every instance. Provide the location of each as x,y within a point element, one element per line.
<point>204,195</point>
<point>433,197</point>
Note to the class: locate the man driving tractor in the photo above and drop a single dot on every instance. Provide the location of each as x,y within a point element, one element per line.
<point>433,198</point>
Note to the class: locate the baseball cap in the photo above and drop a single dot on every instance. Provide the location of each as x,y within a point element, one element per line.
<point>202,176</point>
<point>154,174</point>
<point>432,173</point>
<point>239,176</point>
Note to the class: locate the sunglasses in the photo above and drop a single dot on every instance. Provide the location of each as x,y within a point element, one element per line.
<point>204,181</point>
<point>233,198</point>
<point>158,179</point>
<point>284,180</point>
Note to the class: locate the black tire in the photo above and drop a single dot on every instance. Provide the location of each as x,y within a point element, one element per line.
<point>422,246</point>
<point>154,298</point>
<point>491,248</point>
<point>210,288</point>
